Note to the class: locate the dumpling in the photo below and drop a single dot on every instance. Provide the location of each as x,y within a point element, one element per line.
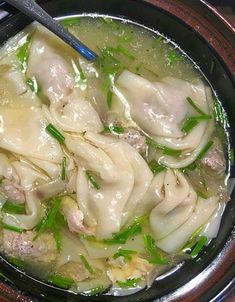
<point>23,131</point>
<point>124,178</point>
<point>68,106</point>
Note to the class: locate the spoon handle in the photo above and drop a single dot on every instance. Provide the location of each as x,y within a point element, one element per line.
<point>35,12</point>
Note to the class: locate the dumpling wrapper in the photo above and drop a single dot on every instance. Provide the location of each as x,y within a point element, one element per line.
<point>124,175</point>
<point>23,131</point>
<point>68,106</point>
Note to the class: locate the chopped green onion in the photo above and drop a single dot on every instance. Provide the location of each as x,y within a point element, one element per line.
<point>192,240</point>
<point>63,168</point>
<point>204,150</point>
<point>70,21</point>
<point>200,117</point>
<point>156,167</point>
<point>108,21</point>
<point>114,129</point>
<point>60,281</point>
<point>168,151</point>
<point>122,236</point>
<point>5,278</point>
<point>87,264</point>
<point>201,194</point>
<point>16,262</point>
<point>137,68</point>
<point>12,228</point>
<point>92,180</point>
<point>158,41</point>
<point>199,246</point>
<point>188,125</point>
<point>155,257</point>
<point>173,57</point>
<point>13,208</point>
<point>195,107</point>
<point>109,99</point>
<point>23,54</point>
<point>126,254</point>
<point>33,85</point>
<point>220,115</point>
<point>55,133</point>
<point>129,283</point>
<point>58,239</point>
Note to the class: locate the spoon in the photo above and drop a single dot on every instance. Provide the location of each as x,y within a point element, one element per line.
<point>35,12</point>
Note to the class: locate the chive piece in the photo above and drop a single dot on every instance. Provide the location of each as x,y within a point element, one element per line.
<point>60,281</point>
<point>109,99</point>
<point>5,278</point>
<point>173,57</point>
<point>23,54</point>
<point>168,151</point>
<point>16,262</point>
<point>126,254</point>
<point>201,117</point>
<point>220,115</point>
<point>87,264</point>
<point>108,21</point>
<point>58,240</point>
<point>55,133</point>
<point>155,257</point>
<point>129,283</point>
<point>156,167</point>
<point>92,180</point>
<point>188,125</point>
<point>192,240</point>
<point>122,236</point>
<point>70,21</point>
<point>195,107</point>
<point>95,291</point>
<point>33,85</point>
<point>13,208</point>
<point>201,194</point>
<point>204,150</point>
<point>125,52</point>
<point>158,41</point>
<point>63,168</point>
<point>199,246</point>
<point>114,129</point>
<point>137,68</point>
<point>12,228</point>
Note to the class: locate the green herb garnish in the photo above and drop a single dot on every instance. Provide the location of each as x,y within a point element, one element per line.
<point>122,236</point>
<point>63,168</point>
<point>201,194</point>
<point>129,283</point>
<point>87,264</point>
<point>23,54</point>
<point>13,208</point>
<point>16,262</point>
<point>114,129</point>
<point>155,167</point>
<point>168,151</point>
<point>60,281</point>
<point>188,125</point>
<point>195,107</point>
<point>70,21</point>
<point>12,228</point>
<point>126,254</point>
<point>92,180</point>
<point>55,133</point>
<point>94,291</point>
<point>155,257</point>
<point>204,150</point>
<point>108,21</point>
<point>5,277</point>
<point>199,246</point>
<point>33,85</point>
<point>173,57</point>
<point>220,115</point>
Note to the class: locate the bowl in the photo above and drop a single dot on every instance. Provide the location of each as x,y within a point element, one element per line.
<point>209,41</point>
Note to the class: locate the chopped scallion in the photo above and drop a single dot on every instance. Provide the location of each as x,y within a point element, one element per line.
<point>199,246</point>
<point>173,57</point>
<point>109,99</point>
<point>220,115</point>
<point>63,168</point>
<point>87,264</point>
<point>129,283</point>
<point>33,85</point>
<point>155,256</point>
<point>168,151</point>
<point>201,194</point>
<point>156,167</point>
<point>114,129</point>
<point>188,125</point>
<point>55,133</point>
<point>16,262</point>
<point>94,291</point>
<point>70,21</point>
<point>12,228</point>
<point>60,281</point>
<point>204,150</point>
<point>92,180</point>
<point>13,208</point>
<point>195,107</point>
<point>23,53</point>
<point>126,254</point>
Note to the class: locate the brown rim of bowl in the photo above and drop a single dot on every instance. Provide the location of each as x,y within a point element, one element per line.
<point>207,279</point>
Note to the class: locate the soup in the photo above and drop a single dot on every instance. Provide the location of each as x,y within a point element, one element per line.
<point>112,172</point>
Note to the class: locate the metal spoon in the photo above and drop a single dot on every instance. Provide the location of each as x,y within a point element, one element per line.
<point>35,12</point>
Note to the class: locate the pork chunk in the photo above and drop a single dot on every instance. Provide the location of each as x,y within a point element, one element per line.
<point>74,270</point>
<point>12,191</point>
<point>22,246</point>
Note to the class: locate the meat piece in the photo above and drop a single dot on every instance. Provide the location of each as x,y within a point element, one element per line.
<point>214,159</point>
<point>135,139</point>
<point>74,270</point>
<point>12,191</point>
<point>74,216</point>
<point>22,245</point>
